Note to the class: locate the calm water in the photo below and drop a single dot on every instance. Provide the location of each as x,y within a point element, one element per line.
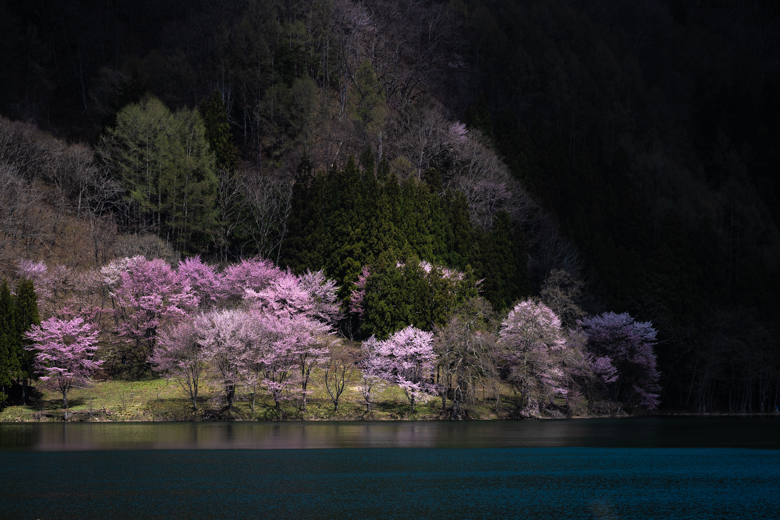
<point>629,468</point>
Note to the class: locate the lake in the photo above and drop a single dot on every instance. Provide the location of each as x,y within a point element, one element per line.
<point>595,468</point>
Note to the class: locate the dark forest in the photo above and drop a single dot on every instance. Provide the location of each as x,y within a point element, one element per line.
<point>593,157</point>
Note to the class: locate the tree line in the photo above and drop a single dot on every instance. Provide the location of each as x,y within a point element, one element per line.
<point>254,329</point>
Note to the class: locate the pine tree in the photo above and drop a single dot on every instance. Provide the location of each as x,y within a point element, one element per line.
<point>191,185</point>
<point>504,265</point>
<point>26,316</point>
<point>8,340</point>
<point>164,163</point>
<point>461,238</point>
<point>217,132</point>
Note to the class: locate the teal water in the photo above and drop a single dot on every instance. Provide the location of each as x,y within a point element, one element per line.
<point>695,468</point>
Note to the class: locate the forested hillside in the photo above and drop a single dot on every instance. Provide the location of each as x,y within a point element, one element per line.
<point>593,156</point>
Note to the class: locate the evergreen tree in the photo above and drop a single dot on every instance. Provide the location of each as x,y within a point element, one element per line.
<point>165,165</point>
<point>8,340</point>
<point>460,235</point>
<point>367,100</point>
<point>192,186</point>
<point>504,264</point>
<point>27,315</point>
<point>217,132</point>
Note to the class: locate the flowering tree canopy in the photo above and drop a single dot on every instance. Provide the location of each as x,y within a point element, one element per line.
<point>180,354</point>
<point>282,352</point>
<point>203,280</point>
<point>310,295</point>
<point>254,274</point>
<point>407,359</point>
<point>149,293</point>
<point>622,354</point>
<point>64,352</point>
<point>225,336</point>
<point>533,342</point>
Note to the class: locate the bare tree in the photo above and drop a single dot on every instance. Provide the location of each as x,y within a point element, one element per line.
<point>269,203</point>
<point>466,351</point>
<point>340,367</point>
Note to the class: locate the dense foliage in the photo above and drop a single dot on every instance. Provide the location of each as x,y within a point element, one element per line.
<point>18,313</point>
<point>253,330</point>
<point>603,155</point>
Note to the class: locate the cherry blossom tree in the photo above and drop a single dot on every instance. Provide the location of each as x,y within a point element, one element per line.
<point>203,280</point>
<point>282,296</point>
<point>62,290</point>
<point>324,296</point>
<point>284,349</point>
<point>307,306</point>
<point>311,352</point>
<point>270,360</point>
<point>225,336</point>
<point>358,294</point>
<point>149,294</point>
<point>373,370</point>
<point>254,274</point>
<point>180,355</point>
<point>533,345</point>
<point>621,350</point>
<point>48,282</point>
<point>409,362</point>
<point>64,352</point>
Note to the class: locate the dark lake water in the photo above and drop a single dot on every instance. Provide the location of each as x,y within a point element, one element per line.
<point>601,468</point>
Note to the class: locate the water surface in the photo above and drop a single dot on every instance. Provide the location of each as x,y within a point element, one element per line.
<point>635,468</point>
<point>650,432</point>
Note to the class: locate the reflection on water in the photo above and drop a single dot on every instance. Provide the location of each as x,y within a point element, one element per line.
<point>642,432</point>
<point>589,469</point>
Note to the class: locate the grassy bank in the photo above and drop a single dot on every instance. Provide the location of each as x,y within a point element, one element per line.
<point>164,400</point>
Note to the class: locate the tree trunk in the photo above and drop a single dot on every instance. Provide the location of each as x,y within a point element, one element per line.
<point>230,393</point>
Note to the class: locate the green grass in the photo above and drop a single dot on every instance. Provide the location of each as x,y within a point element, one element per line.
<point>159,399</point>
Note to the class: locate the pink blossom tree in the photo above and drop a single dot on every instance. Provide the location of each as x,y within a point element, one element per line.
<point>63,291</point>
<point>408,361</point>
<point>51,284</point>
<point>38,273</point>
<point>149,294</point>
<point>180,355</point>
<point>273,361</point>
<point>254,274</point>
<point>373,370</point>
<point>311,295</point>
<point>225,336</point>
<point>533,345</point>
<point>323,293</point>
<point>309,305</point>
<point>358,294</point>
<point>621,350</point>
<point>282,296</point>
<point>284,350</point>
<point>203,280</point>
<point>64,352</point>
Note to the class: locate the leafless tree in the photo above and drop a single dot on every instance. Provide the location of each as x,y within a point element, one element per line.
<point>339,369</point>
<point>269,202</point>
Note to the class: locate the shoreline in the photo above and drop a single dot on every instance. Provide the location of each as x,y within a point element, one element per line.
<point>81,416</point>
